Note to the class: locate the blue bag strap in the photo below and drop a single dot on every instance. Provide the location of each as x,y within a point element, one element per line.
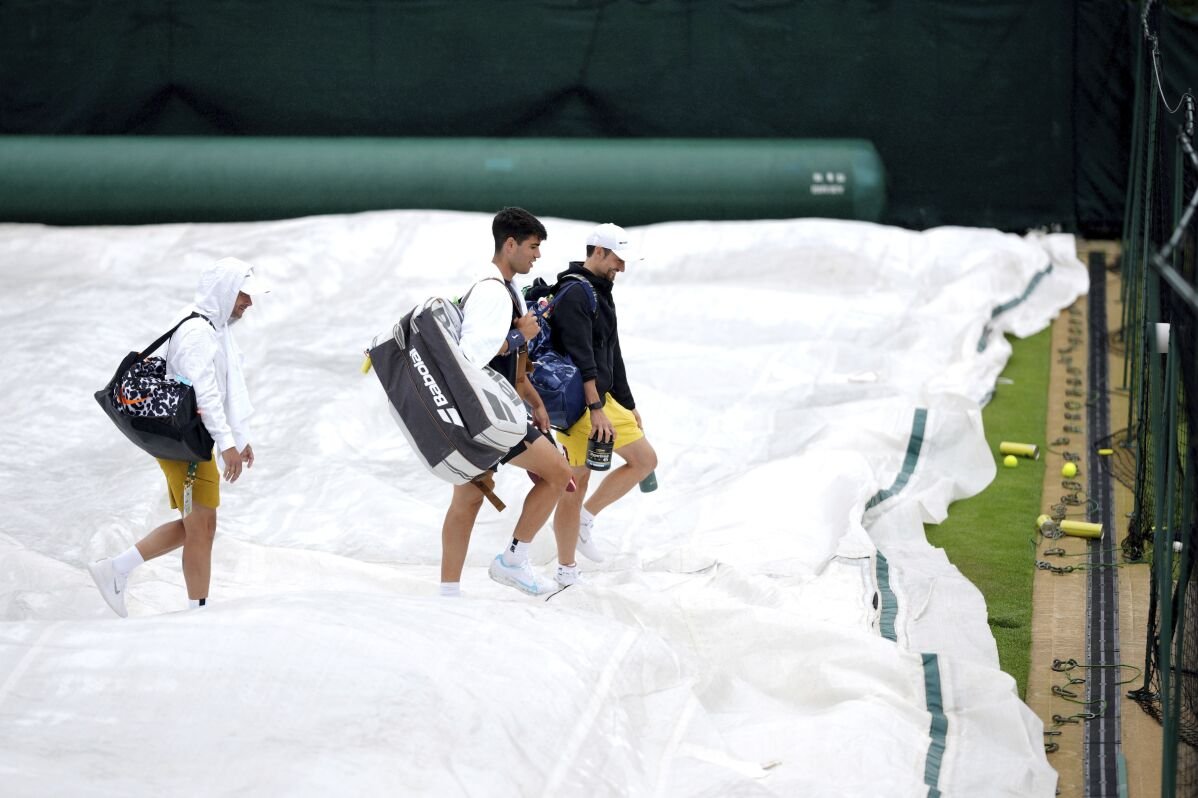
<point>564,286</point>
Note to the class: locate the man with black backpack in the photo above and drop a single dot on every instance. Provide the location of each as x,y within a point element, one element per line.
<point>202,353</point>
<point>496,328</point>
<point>585,330</point>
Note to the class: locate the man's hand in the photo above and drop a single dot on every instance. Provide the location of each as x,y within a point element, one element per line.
<point>540,418</point>
<point>247,454</point>
<point>528,326</point>
<point>601,428</point>
<point>637,416</point>
<point>232,459</point>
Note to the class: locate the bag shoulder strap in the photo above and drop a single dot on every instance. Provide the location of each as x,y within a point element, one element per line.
<point>461,303</point>
<point>166,335</point>
<point>575,279</point>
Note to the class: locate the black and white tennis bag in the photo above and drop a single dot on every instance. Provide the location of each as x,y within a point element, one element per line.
<point>157,412</point>
<point>459,418</point>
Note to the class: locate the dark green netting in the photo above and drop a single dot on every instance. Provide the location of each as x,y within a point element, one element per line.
<point>1160,250</point>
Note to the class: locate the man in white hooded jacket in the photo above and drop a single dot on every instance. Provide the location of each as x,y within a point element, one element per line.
<point>202,351</point>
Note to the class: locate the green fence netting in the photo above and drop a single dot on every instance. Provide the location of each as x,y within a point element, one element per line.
<point>1160,334</point>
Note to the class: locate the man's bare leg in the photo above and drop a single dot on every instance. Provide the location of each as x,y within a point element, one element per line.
<point>565,518</point>
<point>199,532</point>
<point>162,540</point>
<point>639,460</point>
<point>455,532</point>
<point>543,459</point>
<point>512,566</point>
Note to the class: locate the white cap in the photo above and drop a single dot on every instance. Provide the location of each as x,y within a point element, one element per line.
<point>612,236</point>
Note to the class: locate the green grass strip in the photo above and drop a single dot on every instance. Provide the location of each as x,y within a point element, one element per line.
<point>990,537</point>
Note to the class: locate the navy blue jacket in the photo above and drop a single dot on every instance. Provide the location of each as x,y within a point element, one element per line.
<point>591,341</point>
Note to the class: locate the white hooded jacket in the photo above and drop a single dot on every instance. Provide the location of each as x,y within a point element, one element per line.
<point>205,354</point>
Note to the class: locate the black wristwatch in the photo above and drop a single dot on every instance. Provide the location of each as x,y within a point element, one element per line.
<point>595,405</point>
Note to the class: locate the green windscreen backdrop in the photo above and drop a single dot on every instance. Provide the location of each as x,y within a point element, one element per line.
<point>999,113</point>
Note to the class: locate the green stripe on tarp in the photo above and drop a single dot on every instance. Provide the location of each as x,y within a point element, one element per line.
<point>889,608</point>
<point>998,310</point>
<point>939,728</point>
<point>914,444</point>
<point>887,599</point>
<point>938,732</point>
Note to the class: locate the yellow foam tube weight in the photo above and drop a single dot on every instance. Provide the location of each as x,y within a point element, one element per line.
<point>1081,529</point>
<point>1020,449</point>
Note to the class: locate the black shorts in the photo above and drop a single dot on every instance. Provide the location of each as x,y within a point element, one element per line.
<point>530,435</point>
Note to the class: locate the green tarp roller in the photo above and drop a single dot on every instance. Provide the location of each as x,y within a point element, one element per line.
<point>142,180</point>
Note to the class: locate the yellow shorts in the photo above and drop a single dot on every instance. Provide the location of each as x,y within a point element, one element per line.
<point>205,490</point>
<point>622,420</point>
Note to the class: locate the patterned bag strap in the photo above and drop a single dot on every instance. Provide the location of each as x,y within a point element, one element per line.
<point>166,335</point>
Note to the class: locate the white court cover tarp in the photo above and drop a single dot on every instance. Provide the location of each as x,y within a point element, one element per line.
<point>770,622</point>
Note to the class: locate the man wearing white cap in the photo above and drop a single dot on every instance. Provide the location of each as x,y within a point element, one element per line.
<point>202,352</point>
<point>592,341</point>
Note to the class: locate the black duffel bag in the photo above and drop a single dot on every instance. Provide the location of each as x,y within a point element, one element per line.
<point>156,412</point>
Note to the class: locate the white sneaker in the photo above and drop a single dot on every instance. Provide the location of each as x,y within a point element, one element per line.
<point>111,585</point>
<point>520,576</point>
<point>587,546</point>
<point>568,575</point>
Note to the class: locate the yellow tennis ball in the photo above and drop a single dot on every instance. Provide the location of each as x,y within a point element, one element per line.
<point>1010,461</point>
<point>1069,470</point>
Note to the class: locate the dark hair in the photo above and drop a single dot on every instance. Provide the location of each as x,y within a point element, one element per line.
<point>590,250</point>
<point>516,223</point>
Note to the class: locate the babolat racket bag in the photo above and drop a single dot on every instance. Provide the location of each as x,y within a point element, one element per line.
<point>459,418</point>
<point>155,411</point>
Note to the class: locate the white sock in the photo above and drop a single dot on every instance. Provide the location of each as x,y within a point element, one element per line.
<point>193,603</point>
<point>451,589</point>
<point>126,561</point>
<point>586,517</point>
<point>517,552</point>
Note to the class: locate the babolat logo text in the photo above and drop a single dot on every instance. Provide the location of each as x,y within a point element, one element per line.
<point>449,415</point>
<point>430,383</point>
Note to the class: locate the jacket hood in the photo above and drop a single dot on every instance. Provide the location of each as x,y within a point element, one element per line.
<point>216,293</point>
